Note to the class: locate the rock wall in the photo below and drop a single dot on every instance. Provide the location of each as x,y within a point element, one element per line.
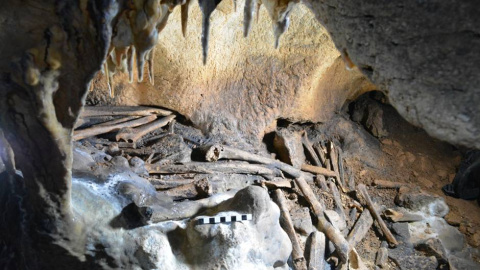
<point>246,84</point>
<point>422,53</point>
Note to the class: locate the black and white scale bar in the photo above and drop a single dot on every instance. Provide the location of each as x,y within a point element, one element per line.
<point>223,219</point>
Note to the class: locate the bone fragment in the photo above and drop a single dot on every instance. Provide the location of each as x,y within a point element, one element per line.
<point>194,190</point>
<point>217,167</point>
<point>318,170</point>
<point>398,216</point>
<point>287,225</point>
<point>118,121</point>
<point>161,184</point>
<point>388,235</point>
<point>320,153</point>
<point>332,233</point>
<point>311,152</point>
<point>321,182</point>
<point>360,229</point>
<point>277,184</point>
<point>134,135</point>
<point>335,166</point>
<point>216,152</point>
<point>389,184</point>
<point>341,169</point>
<point>317,251</point>
<point>338,202</point>
<point>93,111</point>
<point>93,131</point>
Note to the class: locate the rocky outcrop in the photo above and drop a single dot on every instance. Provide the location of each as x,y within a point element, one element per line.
<point>427,64</point>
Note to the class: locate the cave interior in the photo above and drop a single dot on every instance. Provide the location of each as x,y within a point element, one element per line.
<point>255,134</point>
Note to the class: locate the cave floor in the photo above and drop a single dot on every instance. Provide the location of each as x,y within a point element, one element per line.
<point>171,159</point>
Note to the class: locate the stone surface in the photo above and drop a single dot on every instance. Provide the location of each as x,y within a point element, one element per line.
<point>246,84</point>
<point>425,63</point>
<point>417,262</point>
<point>288,145</point>
<point>369,113</point>
<point>302,221</point>
<point>418,200</point>
<point>260,243</point>
<point>457,263</point>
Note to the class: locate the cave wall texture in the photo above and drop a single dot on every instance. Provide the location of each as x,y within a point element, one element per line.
<point>246,84</point>
<point>423,54</point>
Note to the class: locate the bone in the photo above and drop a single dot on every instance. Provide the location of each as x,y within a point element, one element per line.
<point>338,202</point>
<point>217,167</point>
<point>132,136</point>
<point>161,184</point>
<point>194,190</point>
<point>389,184</point>
<point>311,152</point>
<point>216,152</point>
<point>336,166</point>
<point>321,182</point>
<point>388,235</point>
<point>277,184</point>
<point>320,153</point>
<point>207,7</point>
<point>184,17</point>
<point>360,229</point>
<point>317,251</point>
<point>92,111</point>
<point>333,234</point>
<point>341,169</point>
<point>287,225</point>
<point>93,131</point>
<point>118,121</point>
<point>318,170</point>
<point>401,216</point>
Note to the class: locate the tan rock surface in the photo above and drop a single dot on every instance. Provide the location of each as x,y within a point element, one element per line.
<point>246,84</point>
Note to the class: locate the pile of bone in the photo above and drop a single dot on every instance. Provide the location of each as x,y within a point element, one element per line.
<point>412,232</point>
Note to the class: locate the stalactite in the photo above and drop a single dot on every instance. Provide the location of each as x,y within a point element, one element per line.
<point>184,14</point>
<point>207,7</point>
<point>249,9</point>
<point>136,32</point>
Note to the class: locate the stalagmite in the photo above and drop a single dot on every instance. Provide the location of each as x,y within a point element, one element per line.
<point>207,7</point>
